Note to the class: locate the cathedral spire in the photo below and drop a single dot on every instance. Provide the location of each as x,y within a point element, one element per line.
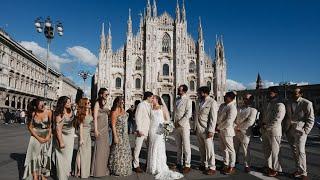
<point>129,23</point>
<point>200,33</point>
<point>141,22</point>
<point>177,12</point>
<point>221,41</point>
<point>154,8</point>
<point>184,18</point>
<point>219,49</point>
<point>259,82</point>
<point>102,40</point>
<point>109,38</point>
<point>148,9</point>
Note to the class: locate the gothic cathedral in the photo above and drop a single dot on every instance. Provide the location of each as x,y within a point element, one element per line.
<point>159,58</point>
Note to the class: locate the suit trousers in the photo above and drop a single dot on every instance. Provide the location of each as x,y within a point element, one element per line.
<point>297,141</point>
<point>241,142</point>
<point>271,148</point>
<point>137,149</point>
<point>182,137</point>
<point>206,148</point>
<point>229,153</point>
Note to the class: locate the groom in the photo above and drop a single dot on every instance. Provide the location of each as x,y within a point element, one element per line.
<point>183,113</point>
<point>142,116</point>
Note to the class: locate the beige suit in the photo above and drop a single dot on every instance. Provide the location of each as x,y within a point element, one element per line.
<point>142,116</point>
<point>183,113</point>
<point>226,116</point>
<point>245,119</point>
<point>205,123</point>
<point>298,124</point>
<point>272,132</point>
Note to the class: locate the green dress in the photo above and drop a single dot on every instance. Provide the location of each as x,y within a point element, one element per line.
<point>120,160</point>
<point>101,150</point>
<point>84,150</point>
<point>38,157</point>
<point>62,157</point>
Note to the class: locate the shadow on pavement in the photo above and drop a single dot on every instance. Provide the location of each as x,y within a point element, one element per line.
<point>20,162</point>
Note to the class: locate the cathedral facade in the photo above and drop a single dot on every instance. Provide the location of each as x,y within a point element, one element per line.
<point>159,58</point>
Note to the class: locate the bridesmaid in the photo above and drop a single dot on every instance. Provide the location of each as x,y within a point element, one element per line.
<point>120,155</point>
<point>62,155</point>
<point>84,120</point>
<point>38,159</point>
<point>100,158</point>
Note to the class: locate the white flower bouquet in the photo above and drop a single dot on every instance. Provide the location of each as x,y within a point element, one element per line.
<point>167,129</point>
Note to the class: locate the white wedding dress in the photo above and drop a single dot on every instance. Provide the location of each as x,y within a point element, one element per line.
<point>157,158</point>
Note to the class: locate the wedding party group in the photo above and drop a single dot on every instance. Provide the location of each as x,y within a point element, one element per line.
<point>50,150</point>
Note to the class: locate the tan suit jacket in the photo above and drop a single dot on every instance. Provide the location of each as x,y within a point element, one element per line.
<point>226,116</point>
<point>183,112</point>
<point>143,116</point>
<point>273,116</point>
<point>299,116</point>
<point>207,116</point>
<point>245,119</point>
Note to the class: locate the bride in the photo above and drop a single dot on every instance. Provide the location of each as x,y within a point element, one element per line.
<point>157,159</point>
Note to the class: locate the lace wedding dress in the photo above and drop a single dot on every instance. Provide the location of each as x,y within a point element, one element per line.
<point>157,159</point>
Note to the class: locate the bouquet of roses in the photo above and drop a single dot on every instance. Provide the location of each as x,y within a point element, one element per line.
<point>167,129</point>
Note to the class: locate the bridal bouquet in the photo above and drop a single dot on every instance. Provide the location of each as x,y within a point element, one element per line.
<point>167,129</point>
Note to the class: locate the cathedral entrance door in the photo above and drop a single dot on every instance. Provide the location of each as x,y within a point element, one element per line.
<point>166,98</point>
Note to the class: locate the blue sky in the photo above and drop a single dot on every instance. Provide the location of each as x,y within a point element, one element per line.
<point>278,38</point>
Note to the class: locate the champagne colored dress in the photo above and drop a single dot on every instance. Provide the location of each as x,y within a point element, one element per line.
<point>101,149</point>
<point>120,161</point>
<point>38,158</point>
<point>84,150</point>
<point>63,157</point>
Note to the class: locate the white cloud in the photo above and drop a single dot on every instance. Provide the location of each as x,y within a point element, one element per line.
<point>302,83</point>
<point>83,54</point>
<point>76,52</point>
<point>234,85</point>
<point>41,53</point>
<point>267,83</point>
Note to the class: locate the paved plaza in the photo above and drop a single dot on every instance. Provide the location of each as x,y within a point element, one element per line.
<point>14,140</point>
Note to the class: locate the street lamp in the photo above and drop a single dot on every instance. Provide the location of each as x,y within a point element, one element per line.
<point>47,27</point>
<point>84,75</point>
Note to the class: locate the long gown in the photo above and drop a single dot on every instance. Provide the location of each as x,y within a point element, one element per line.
<point>157,158</point>
<point>84,150</point>
<point>101,151</point>
<point>120,161</point>
<point>38,158</point>
<point>62,158</point>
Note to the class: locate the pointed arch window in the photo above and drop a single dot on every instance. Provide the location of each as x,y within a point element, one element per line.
<point>118,83</point>
<point>139,64</point>
<point>192,85</point>
<point>166,43</point>
<point>165,70</point>
<point>209,85</point>
<point>138,83</point>
<point>192,67</point>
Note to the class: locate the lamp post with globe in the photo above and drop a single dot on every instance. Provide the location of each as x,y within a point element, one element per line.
<point>84,75</point>
<point>48,28</point>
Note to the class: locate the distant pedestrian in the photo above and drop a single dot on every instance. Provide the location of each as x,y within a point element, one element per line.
<point>130,112</point>
<point>7,116</point>
<point>22,117</point>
